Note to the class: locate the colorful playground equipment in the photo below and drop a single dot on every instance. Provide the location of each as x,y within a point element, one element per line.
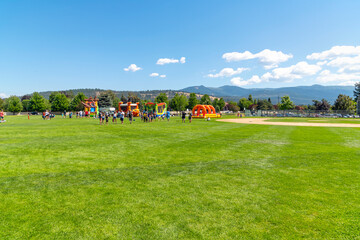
<point>205,111</point>
<point>160,109</point>
<point>127,107</point>
<point>91,106</point>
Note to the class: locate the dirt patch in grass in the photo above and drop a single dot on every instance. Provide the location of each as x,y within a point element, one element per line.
<point>264,121</point>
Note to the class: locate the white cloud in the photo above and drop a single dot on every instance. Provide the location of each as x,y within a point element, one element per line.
<point>336,51</point>
<point>321,63</point>
<point>269,58</point>
<point>227,72</point>
<point>288,74</point>
<point>154,75</point>
<point>3,95</point>
<point>239,82</point>
<point>132,68</point>
<point>157,75</point>
<point>341,78</point>
<point>163,61</point>
<point>346,63</point>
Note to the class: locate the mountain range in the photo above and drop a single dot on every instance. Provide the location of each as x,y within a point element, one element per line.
<point>299,95</point>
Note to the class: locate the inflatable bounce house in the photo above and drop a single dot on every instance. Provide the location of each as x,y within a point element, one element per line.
<point>127,107</point>
<point>159,108</point>
<point>205,111</point>
<point>91,106</point>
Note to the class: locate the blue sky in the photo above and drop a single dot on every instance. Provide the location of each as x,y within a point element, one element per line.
<point>53,45</point>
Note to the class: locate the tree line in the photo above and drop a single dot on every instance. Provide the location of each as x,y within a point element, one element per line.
<point>67,101</point>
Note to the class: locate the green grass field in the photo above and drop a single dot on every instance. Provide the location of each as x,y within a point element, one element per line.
<point>74,179</point>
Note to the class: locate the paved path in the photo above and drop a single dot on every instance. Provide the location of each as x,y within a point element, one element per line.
<point>262,121</point>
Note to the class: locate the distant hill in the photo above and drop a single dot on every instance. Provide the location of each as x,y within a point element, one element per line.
<point>300,94</point>
<point>148,95</point>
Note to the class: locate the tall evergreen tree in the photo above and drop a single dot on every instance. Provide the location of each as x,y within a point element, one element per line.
<point>357,91</point>
<point>105,100</point>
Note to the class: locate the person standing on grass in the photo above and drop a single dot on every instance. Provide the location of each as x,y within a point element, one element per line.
<point>190,117</point>
<point>183,116</point>
<point>122,115</point>
<point>114,118</point>
<point>168,115</point>
<point>103,117</point>
<point>100,118</point>
<point>107,118</point>
<point>64,113</point>
<point>130,116</point>
<point>2,116</point>
<point>28,116</point>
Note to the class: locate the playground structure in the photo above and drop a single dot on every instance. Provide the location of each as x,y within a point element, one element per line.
<point>160,109</point>
<point>91,106</point>
<point>205,111</point>
<point>127,107</point>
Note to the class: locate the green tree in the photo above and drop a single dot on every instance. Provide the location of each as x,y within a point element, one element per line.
<point>26,105</point>
<point>286,103</point>
<point>357,91</point>
<point>193,101</point>
<point>250,98</point>
<point>132,97</point>
<point>37,102</point>
<point>205,100</point>
<point>76,102</point>
<point>218,104</point>
<point>52,96</point>
<point>173,104</point>
<point>263,104</point>
<point>244,103</point>
<point>344,102</point>
<point>221,104</point>
<point>162,97</point>
<point>232,106</point>
<point>60,103</point>
<point>2,103</point>
<point>123,98</point>
<point>116,101</point>
<point>105,100</point>
<point>13,104</point>
<point>322,105</point>
<point>179,102</point>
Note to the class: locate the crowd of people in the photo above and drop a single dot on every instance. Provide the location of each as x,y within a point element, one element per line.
<point>104,117</point>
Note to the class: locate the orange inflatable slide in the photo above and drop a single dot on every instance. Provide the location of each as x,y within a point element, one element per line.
<point>204,111</point>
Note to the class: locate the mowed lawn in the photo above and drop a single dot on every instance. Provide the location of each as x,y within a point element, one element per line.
<point>74,179</point>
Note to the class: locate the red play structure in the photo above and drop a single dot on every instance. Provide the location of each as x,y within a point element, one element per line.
<point>205,111</point>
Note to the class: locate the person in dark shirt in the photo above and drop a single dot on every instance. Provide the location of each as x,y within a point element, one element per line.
<point>107,118</point>
<point>183,116</point>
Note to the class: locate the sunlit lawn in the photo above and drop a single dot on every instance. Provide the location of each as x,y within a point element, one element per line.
<point>75,179</point>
